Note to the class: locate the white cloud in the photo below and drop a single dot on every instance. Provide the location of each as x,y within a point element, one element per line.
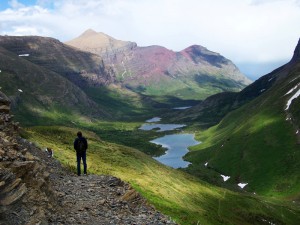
<point>254,31</point>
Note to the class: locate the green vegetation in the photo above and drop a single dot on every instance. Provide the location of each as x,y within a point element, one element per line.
<point>254,144</point>
<point>186,88</point>
<point>185,198</point>
<point>123,103</point>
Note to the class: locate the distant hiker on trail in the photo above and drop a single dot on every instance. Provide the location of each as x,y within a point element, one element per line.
<point>81,145</point>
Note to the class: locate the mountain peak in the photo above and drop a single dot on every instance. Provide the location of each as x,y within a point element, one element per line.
<point>296,55</point>
<point>89,31</point>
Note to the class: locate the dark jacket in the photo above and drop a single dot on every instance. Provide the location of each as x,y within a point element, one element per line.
<point>84,141</point>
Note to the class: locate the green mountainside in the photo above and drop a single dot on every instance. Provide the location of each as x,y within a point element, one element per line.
<point>257,143</point>
<point>61,84</point>
<point>212,110</point>
<point>38,93</point>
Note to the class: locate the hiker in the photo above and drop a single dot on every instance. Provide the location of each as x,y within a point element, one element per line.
<point>81,145</point>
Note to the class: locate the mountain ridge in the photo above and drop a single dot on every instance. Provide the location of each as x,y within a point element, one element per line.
<point>51,77</point>
<point>259,137</point>
<point>151,69</point>
<point>212,109</point>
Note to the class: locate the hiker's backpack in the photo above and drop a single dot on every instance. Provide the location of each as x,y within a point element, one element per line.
<point>80,145</point>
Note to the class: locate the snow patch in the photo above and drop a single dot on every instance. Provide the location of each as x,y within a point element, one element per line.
<point>296,95</point>
<point>206,164</point>
<point>242,185</point>
<point>225,178</point>
<point>294,79</point>
<point>262,90</point>
<point>270,79</point>
<point>20,90</point>
<point>290,91</point>
<point>182,108</point>
<point>24,55</point>
<point>266,221</point>
<point>297,131</point>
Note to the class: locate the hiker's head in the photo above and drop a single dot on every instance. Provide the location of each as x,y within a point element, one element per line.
<point>79,134</point>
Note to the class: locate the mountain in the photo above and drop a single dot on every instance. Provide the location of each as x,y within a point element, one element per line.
<point>100,43</point>
<point>194,72</point>
<point>258,143</point>
<point>44,79</point>
<point>80,67</point>
<point>212,110</point>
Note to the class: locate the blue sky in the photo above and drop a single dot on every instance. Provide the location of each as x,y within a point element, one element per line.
<point>257,35</point>
<point>6,4</point>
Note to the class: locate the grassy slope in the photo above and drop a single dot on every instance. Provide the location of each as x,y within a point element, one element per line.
<point>259,145</point>
<point>44,93</point>
<point>183,197</point>
<point>191,87</point>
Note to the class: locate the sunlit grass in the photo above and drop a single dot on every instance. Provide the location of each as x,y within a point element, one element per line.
<point>184,197</point>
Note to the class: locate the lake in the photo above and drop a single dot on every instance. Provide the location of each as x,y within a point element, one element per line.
<point>177,145</point>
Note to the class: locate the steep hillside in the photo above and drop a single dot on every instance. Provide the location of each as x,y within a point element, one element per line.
<point>258,143</point>
<point>81,68</point>
<point>40,95</point>
<point>210,111</point>
<point>154,70</point>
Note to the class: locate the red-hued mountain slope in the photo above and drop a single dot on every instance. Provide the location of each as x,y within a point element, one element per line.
<point>192,72</point>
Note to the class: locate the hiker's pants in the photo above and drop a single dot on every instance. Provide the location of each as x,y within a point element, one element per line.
<point>81,155</point>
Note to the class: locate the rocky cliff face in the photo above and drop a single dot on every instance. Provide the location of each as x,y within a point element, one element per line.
<point>35,189</point>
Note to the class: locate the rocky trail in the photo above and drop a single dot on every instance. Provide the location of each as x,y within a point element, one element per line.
<point>36,189</point>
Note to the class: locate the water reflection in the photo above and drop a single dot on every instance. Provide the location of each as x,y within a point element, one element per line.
<point>177,145</point>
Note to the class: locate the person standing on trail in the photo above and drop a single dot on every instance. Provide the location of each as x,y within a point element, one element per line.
<point>81,145</point>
